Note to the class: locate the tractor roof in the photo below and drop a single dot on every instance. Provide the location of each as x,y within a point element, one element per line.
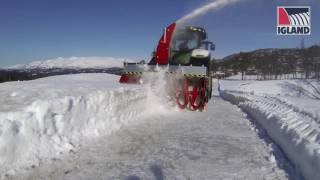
<point>194,29</point>
<point>199,29</point>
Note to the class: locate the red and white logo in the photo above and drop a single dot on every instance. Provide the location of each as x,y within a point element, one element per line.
<point>294,20</point>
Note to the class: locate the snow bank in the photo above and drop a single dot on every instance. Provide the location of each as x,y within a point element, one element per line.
<point>50,116</point>
<point>276,106</point>
<point>73,62</point>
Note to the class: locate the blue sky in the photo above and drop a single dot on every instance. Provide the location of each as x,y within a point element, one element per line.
<point>43,29</point>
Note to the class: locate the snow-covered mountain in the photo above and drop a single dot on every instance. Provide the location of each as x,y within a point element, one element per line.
<point>60,66</point>
<point>73,62</point>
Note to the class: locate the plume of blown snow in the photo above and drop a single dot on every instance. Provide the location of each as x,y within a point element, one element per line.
<point>159,90</point>
<point>218,4</point>
<point>156,87</point>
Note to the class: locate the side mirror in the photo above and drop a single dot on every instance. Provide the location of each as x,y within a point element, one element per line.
<point>208,45</point>
<point>213,47</point>
<point>142,62</point>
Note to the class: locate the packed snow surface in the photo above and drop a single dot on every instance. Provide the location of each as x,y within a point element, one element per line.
<point>289,111</point>
<point>88,126</point>
<point>73,62</point>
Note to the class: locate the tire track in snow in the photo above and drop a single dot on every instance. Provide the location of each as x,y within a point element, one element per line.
<point>296,133</point>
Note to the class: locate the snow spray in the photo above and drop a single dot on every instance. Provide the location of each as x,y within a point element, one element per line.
<point>218,4</point>
<point>156,86</point>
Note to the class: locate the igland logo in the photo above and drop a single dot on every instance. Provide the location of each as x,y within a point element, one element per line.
<point>294,20</point>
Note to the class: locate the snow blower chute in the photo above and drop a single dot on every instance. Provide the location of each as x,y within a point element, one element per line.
<point>181,52</point>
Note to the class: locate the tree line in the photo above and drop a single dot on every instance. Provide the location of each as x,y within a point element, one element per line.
<point>267,64</point>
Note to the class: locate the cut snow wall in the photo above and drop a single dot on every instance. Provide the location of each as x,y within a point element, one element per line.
<point>297,135</point>
<point>48,128</point>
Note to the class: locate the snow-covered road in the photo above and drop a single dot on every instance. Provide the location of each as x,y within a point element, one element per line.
<point>88,126</point>
<point>218,144</point>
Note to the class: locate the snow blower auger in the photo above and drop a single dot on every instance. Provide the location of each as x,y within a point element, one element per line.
<point>183,53</point>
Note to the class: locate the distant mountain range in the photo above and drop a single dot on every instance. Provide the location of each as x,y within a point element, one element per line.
<point>72,63</point>
<point>60,66</point>
<point>264,60</point>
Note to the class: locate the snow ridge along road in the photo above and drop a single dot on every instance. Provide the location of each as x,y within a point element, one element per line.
<point>281,112</point>
<point>47,117</point>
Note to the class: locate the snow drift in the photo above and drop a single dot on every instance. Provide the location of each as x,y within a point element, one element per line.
<point>73,62</point>
<point>280,109</point>
<point>50,116</point>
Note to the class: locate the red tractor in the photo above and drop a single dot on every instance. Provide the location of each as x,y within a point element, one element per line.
<point>181,51</point>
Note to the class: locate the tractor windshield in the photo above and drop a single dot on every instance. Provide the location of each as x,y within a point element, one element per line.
<point>186,41</point>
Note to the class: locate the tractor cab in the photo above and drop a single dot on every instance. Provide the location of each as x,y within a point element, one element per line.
<point>188,46</point>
